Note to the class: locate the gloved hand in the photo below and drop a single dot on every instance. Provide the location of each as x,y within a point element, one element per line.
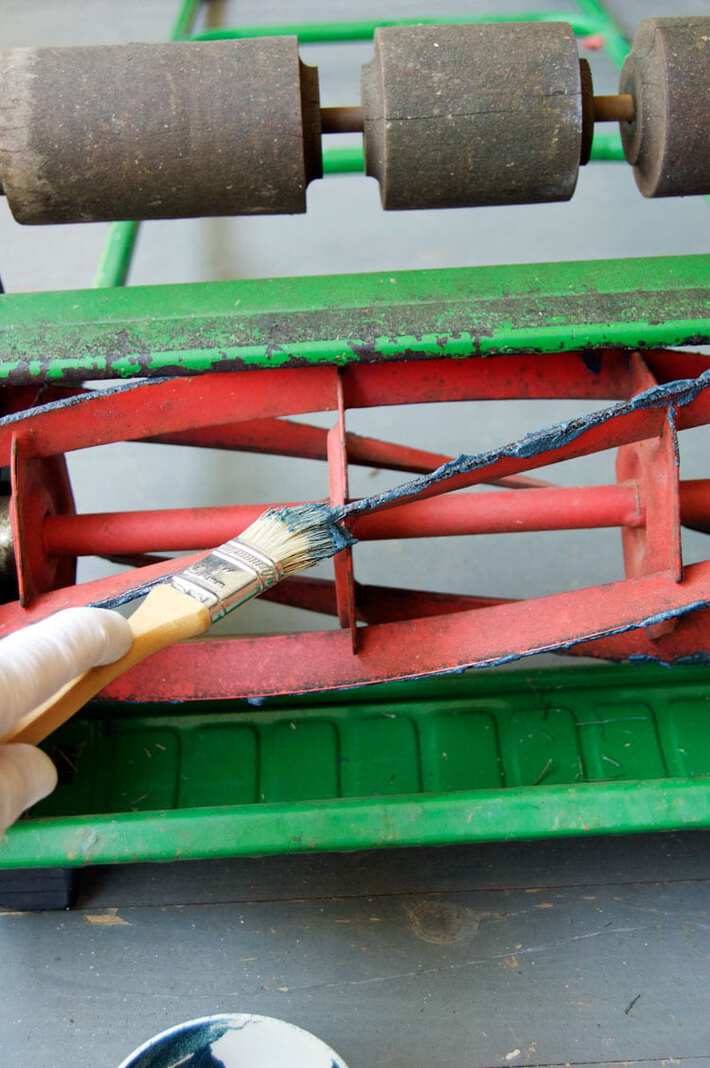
<point>34,663</point>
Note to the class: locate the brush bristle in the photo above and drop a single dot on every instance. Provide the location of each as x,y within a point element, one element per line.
<point>300,536</point>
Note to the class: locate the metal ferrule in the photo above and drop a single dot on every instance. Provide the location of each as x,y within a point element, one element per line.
<point>228,576</point>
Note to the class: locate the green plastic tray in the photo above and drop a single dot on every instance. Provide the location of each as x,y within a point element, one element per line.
<point>486,756</point>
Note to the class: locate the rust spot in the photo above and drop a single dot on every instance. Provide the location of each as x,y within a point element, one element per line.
<point>106,918</point>
<point>442,923</point>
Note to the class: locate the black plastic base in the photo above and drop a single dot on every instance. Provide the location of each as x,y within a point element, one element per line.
<point>29,890</point>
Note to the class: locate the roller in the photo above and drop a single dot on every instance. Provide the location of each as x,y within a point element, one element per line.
<point>461,116</point>
<point>668,75</point>
<point>452,116</point>
<point>146,131</point>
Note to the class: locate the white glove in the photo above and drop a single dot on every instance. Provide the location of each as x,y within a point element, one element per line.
<point>34,663</point>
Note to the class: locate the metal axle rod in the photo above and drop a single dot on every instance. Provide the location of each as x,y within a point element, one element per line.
<point>619,107</point>
<point>341,120</point>
<point>177,529</point>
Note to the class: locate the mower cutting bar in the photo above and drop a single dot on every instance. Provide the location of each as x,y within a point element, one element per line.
<point>301,663</point>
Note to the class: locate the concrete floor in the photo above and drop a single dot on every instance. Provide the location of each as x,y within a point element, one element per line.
<point>489,956</point>
<point>580,953</point>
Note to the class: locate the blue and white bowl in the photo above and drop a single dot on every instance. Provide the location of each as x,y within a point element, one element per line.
<point>234,1041</point>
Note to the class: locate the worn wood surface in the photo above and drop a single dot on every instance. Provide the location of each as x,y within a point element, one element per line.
<point>581,953</point>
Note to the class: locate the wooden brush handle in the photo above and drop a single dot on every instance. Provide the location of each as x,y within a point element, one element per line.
<point>165,617</point>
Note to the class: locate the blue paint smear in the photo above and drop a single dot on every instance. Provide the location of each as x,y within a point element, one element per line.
<point>649,621</point>
<point>699,659</point>
<point>692,659</point>
<point>134,594</point>
<point>78,399</point>
<point>646,658</point>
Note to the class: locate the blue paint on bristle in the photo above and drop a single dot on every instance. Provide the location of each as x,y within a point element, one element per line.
<point>79,399</point>
<point>322,520</point>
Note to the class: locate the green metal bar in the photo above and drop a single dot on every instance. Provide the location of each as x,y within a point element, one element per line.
<point>363,29</point>
<point>119,246</point>
<point>185,19</point>
<point>115,261</point>
<point>607,143</point>
<point>340,319</point>
<point>348,160</point>
<point>607,146</point>
<point>346,824</point>
<point>615,42</point>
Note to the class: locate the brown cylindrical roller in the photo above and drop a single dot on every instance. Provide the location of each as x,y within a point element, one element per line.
<point>156,131</point>
<point>459,116</point>
<point>668,75</point>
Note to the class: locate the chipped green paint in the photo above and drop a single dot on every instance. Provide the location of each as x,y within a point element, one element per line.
<point>339,319</point>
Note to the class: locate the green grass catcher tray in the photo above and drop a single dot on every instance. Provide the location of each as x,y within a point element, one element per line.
<point>482,757</point>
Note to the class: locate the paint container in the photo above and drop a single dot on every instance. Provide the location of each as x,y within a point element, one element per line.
<point>234,1041</point>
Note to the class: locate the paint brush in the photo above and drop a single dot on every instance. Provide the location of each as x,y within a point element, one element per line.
<point>281,542</point>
